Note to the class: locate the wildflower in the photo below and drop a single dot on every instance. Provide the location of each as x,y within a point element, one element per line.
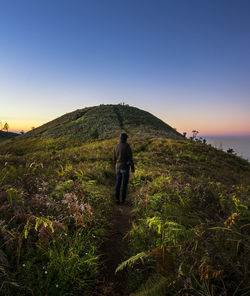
<point>89,209</point>
<point>68,198</point>
<point>82,207</point>
<point>23,265</point>
<point>46,272</point>
<point>57,285</point>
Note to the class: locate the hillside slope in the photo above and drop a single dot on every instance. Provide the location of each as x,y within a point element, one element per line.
<point>190,218</point>
<point>105,122</point>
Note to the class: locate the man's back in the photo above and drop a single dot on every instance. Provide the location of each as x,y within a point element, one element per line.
<point>123,156</point>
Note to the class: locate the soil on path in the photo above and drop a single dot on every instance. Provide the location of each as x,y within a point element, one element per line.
<point>114,252</point>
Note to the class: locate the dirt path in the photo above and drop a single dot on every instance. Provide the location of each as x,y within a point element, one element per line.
<point>115,251</point>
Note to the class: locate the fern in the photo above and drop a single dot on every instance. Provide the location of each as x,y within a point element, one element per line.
<point>38,221</point>
<point>132,260</point>
<point>170,231</point>
<point>156,285</point>
<point>68,168</point>
<point>155,223</point>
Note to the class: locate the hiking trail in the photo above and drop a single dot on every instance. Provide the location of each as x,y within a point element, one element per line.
<point>114,252</point>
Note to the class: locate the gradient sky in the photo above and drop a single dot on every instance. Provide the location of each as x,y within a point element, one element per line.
<point>185,61</point>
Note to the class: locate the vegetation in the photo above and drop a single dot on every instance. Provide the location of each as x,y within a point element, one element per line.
<point>55,205</point>
<point>112,119</point>
<point>190,234</point>
<point>6,126</point>
<point>190,230</point>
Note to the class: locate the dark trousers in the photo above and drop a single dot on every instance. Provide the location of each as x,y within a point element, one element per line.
<point>122,177</point>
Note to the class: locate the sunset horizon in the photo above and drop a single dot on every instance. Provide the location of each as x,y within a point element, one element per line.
<point>24,125</point>
<point>185,62</point>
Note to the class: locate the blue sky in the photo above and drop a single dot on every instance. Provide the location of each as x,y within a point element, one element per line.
<point>187,62</point>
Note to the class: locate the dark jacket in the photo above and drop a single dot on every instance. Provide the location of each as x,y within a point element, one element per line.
<point>123,158</point>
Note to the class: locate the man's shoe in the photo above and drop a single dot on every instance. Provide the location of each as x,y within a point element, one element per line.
<point>125,202</point>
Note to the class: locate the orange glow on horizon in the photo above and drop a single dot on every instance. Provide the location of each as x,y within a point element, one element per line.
<point>188,128</point>
<point>208,131</point>
<point>204,124</point>
<point>24,125</point>
<point>210,126</point>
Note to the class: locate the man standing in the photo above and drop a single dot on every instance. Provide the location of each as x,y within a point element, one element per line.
<point>123,160</point>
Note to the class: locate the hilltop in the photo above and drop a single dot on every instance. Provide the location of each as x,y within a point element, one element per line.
<point>105,122</point>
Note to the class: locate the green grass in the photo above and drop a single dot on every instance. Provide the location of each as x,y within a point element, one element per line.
<point>112,120</point>
<point>55,207</point>
<point>191,207</point>
<point>191,216</point>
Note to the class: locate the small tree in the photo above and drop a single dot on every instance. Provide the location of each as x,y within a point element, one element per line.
<point>184,134</point>
<point>32,128</point>
<point>22,132</point>
<point>6,126</point>
<point>230,151</point>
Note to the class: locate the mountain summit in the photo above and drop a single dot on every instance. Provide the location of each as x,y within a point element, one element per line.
<point>105,121</point>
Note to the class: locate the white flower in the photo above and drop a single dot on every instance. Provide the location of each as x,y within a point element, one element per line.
<point>46,272</point>
<point>82,207</point>
<point>57,285</point>
<point>23,265</point>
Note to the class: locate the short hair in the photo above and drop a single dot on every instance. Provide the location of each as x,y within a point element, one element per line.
<point>123,136</point>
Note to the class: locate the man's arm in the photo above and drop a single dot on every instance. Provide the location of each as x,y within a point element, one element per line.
<point>130,158</point>
<point>114,157</point>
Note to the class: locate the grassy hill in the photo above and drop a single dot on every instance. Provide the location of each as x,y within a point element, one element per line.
<point>190,205</point>
<point>104,122</point>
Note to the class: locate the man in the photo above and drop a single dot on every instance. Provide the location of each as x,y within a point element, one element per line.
<point>123,160</point>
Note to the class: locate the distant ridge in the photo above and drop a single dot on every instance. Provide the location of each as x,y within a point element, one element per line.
<point>105,122</point>
<point>7,135</point>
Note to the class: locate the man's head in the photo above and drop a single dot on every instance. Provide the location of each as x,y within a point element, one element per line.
<point>123,137</point>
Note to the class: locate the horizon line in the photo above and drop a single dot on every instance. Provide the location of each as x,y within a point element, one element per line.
<point>214,135</point>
